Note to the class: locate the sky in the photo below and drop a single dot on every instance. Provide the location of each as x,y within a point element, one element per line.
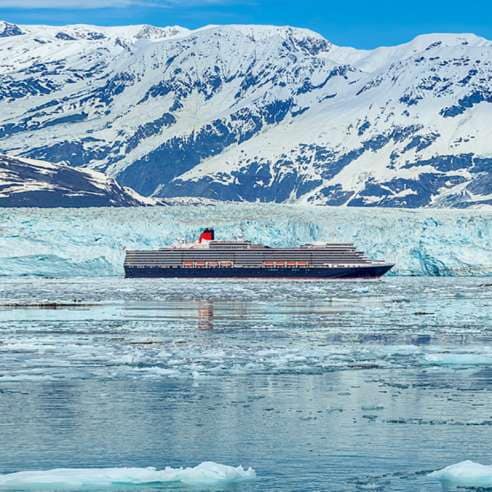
<point>362,24</point>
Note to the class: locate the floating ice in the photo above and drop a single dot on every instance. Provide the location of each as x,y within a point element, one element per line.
<point>159,329</point>
<point>457,359</point>
<point>91,242</point>
<point>69,478</point>
<point>465,474</point>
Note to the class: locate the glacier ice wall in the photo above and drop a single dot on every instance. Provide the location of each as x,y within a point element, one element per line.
<point>91,242</point>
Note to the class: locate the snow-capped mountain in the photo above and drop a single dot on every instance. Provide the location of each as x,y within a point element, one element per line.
<point>30,183</point>
<point>254,113</point>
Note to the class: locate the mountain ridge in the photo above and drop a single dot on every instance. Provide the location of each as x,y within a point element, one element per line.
<point>32,183</point>
<point>255,113</point>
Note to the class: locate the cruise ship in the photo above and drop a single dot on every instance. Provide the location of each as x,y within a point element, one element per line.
<point>209,258</point>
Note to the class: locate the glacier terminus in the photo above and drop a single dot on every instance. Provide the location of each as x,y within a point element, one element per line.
<point>91,242</point>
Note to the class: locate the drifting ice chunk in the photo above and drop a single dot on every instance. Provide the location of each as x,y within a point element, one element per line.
<point>67,478</point>
<point>465,474</point>
<point>470,359</point>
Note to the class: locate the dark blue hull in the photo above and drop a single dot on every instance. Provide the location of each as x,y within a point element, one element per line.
<point>370,271</point>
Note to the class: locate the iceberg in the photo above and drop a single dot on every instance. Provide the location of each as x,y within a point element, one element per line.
<point>69,478</point>
<point>465,474</point>
<point>91,241</point>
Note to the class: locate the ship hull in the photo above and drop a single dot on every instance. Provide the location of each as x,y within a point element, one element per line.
<point>362,272</point>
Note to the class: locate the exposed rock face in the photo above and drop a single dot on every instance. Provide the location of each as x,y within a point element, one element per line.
<point>29,183</point>
<point>8,30</point>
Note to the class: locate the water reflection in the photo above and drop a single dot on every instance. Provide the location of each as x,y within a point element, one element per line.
<point>205,315</point>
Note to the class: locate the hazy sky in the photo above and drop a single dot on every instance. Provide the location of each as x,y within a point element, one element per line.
<point>363,24</point>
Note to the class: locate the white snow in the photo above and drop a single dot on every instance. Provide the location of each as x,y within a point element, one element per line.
<point>430,68</point>
<point>128,33</point>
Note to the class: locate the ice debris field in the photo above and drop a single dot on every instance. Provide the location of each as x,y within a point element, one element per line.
<point>91,242</point>
<point>186,330</point>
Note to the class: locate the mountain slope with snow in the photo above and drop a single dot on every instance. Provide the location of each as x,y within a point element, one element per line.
<point>254,113</point>
<point>30,183</point>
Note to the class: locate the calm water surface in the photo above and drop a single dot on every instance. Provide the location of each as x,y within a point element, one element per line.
<point>337,386</point>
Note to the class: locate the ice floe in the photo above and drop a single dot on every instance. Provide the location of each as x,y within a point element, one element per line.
<point>465,474</point>
<point>70,478</point>
<point>459,359</point>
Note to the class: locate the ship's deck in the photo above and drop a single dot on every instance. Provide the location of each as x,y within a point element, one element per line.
<point>235,254</point>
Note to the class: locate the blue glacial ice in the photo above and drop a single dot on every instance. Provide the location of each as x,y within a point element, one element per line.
<point>91,242</point>
<point>69,478</point>
<point>465,474</point>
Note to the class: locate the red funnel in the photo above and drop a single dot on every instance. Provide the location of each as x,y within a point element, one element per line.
<point>206,235</point>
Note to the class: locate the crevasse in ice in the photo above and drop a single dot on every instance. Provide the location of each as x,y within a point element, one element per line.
<point>91,242</point>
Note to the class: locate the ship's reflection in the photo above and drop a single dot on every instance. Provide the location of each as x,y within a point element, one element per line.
<point>324,321</point>
<point>205,315</point>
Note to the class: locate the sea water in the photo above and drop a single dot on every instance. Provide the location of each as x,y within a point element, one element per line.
<point>245,385</point>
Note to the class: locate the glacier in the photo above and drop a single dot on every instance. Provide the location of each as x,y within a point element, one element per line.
<point>91,242</point>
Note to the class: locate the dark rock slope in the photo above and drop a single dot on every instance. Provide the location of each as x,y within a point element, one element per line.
<point>29,183</point>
